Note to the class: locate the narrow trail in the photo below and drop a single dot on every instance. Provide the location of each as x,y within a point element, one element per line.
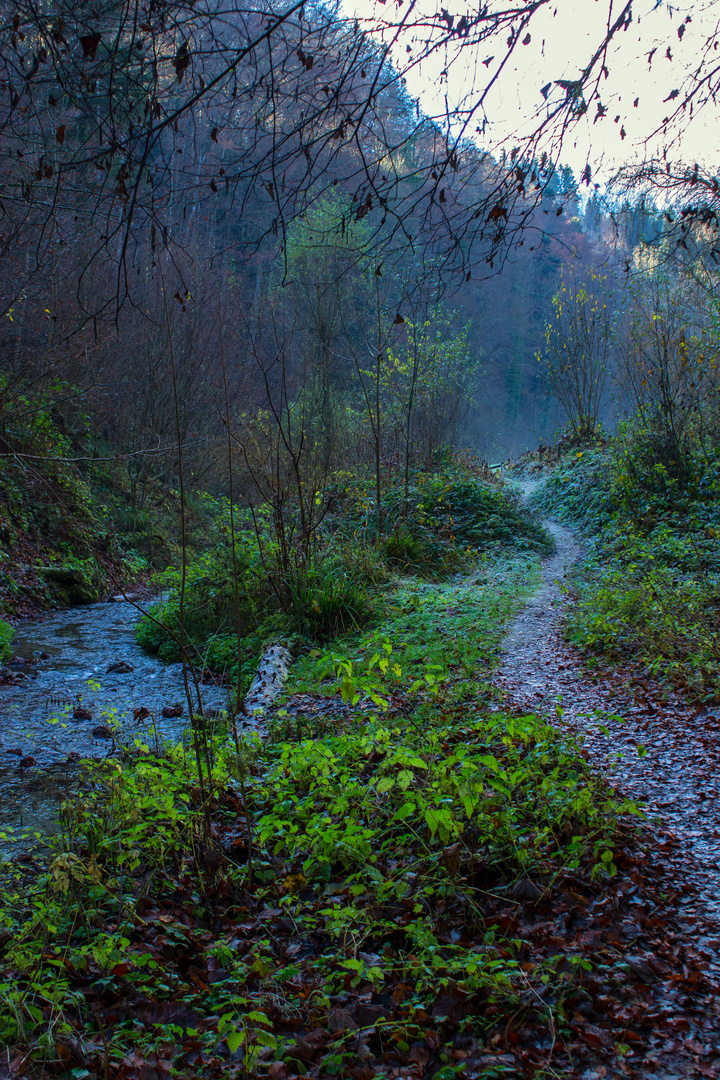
<point>678,780</point>
<point>679,775</point>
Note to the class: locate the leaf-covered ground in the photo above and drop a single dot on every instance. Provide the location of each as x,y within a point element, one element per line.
<point>409,877</point>
<point>660,749</point>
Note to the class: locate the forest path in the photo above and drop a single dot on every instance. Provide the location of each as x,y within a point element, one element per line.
<point>679,775</point>
<point>662,924</point>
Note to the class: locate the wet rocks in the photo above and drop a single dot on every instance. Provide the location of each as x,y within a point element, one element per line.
<point>71,584</point>
<point>82,643</point>
<point>81,713</point>
<point>169,711</point>
<point>10,677</point>
<point>17,669</point>
<point>119,667</point>
<point>102,731</point>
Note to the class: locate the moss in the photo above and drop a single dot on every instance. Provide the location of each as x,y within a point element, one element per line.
<point>74,586</point>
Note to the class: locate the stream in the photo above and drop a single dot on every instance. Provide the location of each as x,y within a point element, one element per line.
<point>61,665</point>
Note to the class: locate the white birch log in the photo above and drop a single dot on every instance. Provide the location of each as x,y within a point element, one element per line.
<point>269,679</point>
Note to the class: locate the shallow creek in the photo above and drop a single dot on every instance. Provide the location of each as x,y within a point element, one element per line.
<point>67,657</point>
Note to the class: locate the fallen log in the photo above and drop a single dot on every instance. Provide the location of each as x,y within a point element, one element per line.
<point>269,680</point>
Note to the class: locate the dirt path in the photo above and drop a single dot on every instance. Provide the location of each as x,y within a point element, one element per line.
<point>678,777</point>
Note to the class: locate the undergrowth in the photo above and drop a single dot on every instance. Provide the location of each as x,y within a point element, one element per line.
<point>650,589</point>
<point>446,521</point>
<point>444,516</point>
<point>67,502</point>
<point>350,899</point>
<point>6,635</point>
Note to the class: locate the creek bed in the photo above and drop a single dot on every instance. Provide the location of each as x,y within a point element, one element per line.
<point>62,665</point>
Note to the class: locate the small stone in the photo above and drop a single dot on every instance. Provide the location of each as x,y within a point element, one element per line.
<point>120,667</point>
<point>82,714</point>
<point>102,731</point>
<point>172,710</point>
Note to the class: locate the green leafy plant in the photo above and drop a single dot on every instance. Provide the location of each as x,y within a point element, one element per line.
<point>7,633</point>
<point>650,588</point>
<point>316,869</point>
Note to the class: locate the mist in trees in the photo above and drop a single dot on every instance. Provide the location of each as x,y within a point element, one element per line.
<point>344,279</point>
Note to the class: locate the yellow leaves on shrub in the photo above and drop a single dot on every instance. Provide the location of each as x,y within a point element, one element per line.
<point>68,868</point>
<point>294,883</point>
<point>64,869</point>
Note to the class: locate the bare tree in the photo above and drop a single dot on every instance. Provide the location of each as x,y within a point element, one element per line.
<point>283,451</point>
<point>667,365</point>
<point>577,350</point>
<point>131,121</point>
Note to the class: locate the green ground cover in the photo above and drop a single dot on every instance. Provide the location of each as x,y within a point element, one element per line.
<point>650,587</point>
<point>355,895</point>
<point>437,528</point>
<point>73,526</point>
<point>6,636</point>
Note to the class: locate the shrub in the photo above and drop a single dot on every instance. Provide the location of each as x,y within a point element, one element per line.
<point>649,613</point>
<point>444,514</point>
<point>6,635</point>
<point>648,485</point>
<point>327,601</point>
<point>651,588</point>
<point>209,608</point>
<point>364,562</point>
<point>318,602</point>
<point>479,514</point>
<point>404,550</point>
<point>580,490</point>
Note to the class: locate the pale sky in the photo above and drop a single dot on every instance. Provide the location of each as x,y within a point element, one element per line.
<point>562,39</point>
